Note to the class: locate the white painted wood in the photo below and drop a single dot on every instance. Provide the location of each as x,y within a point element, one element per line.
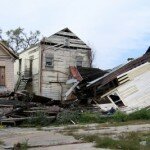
<point>63,58</point>
<point>7,62</point>
<point>135,93</point>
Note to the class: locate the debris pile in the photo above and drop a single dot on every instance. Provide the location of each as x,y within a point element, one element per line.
<point>125,87</point>
<point>24,106</point>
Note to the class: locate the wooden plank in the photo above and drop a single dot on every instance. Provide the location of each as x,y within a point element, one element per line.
<point>23,118</point>
<point>66,33</point>
<point>75,41</point>
<point>71,44</point>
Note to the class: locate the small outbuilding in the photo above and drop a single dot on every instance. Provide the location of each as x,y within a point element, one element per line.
<point>7,59</point>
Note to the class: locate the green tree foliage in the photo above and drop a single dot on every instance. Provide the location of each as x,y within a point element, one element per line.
<point>18,39</point>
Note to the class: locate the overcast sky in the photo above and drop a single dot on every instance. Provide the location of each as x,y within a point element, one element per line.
<point>115,29</point>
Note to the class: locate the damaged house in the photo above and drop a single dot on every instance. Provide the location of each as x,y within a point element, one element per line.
<point>7,59</point>
<point>45,67</point>
<point>125,87</point>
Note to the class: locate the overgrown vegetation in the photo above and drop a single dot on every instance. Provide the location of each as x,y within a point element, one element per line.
<point>94,117</point>
<point>126,141</point>
<point>67,116</point>
<point>142,114</point>
<point>79,117</point>
<point>37,120</point>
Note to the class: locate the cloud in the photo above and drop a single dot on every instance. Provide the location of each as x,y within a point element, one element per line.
<point>116,29</point>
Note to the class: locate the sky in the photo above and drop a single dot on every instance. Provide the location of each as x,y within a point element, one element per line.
<point>114,29</point>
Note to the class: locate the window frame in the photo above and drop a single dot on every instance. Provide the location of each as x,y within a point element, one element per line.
<point>49,59</point>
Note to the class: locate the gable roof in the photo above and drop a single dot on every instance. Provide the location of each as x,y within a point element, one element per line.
<point>7,50</point>
<point>65,38</point>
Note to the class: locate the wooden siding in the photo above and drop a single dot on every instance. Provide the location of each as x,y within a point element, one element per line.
<point>135,92</point>
<point>8,64</point>
<point>52,80</point>
<point>2,76</point>
<point>25,65</point>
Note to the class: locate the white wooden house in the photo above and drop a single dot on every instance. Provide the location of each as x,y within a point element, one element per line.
<point>133,91</point>
<point>7,58</point>
<point>47,64</point>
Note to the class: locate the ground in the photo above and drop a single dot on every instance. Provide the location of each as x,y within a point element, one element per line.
<point>54,138</point>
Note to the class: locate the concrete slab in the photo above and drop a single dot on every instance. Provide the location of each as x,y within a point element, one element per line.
<point>82,146</point>
<point>12,136</point>
<point>52,139</point>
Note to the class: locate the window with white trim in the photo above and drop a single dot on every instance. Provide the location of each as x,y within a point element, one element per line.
<point>49,61</point>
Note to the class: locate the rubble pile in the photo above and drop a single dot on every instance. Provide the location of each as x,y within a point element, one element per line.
<point>23,106</point>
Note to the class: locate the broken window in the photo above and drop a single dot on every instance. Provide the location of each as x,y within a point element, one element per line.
<point>116,99</point>
<point>49,61</point>
<point>79,61</point>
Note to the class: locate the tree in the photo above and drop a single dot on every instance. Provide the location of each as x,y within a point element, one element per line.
<point>17,39</point>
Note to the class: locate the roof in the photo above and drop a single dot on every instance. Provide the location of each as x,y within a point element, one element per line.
<point>8,50</point>
<point>119,70</point>
<point>72,41</point>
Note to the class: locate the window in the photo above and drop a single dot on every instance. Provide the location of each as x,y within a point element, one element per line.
<point>79,61</point>
<point>49,61</point>
<point>116,99</point>
<point>2,76</point>
<point>67,42</point>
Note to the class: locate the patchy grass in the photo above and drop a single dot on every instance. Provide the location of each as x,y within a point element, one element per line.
<point>92,117</point>
<point>125,144</point>
<point>129,122</point>
<point>1,142</point>
<point>74,128</point>
<point>2,127</point>
<point>126,141</point>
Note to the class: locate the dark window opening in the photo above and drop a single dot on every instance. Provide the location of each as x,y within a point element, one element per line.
<point>20,64</point>
<point>107,87</point>
<point>79,61</point>
<point>116,99</point>
<point>49,62</point>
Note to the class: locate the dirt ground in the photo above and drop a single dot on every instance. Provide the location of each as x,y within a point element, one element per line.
<point>54,138</point>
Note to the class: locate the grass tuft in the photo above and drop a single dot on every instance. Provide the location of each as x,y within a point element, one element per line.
<point>21,146</point>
